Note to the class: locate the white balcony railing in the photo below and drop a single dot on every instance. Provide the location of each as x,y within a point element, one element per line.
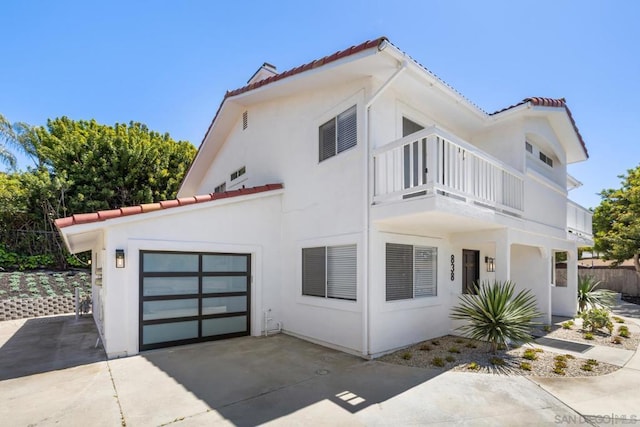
<point>433,162</point>
<point>579,221</point>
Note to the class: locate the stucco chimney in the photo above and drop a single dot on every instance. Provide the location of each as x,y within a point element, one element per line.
<point>265,71</point>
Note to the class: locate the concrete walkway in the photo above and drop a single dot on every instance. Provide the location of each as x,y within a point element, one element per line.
<point>278,380</point>
<point>605,398</point>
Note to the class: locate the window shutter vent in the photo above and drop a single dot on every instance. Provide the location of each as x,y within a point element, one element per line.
<point>245,120</point>
<point>425,271</point>
<point>342,272</point>
<point>328,140</point>
<point>399,271</point>
<point>347,129</point>
<point>313,271</point>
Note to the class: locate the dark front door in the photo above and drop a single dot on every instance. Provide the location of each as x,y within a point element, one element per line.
<point>470,270</point>
<point>188,297</point>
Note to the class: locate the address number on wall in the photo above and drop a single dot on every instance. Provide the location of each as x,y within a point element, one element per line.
<point>453,267</point>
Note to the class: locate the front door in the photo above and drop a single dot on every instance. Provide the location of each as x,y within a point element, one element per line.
<point>470,270</point>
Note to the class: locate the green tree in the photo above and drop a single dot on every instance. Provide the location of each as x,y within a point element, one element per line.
<point>107,167</point>
<point>81,166</point>
<point>616,221</point>
<point>7,138</point>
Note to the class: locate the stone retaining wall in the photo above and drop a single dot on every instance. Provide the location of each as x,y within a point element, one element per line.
<point>12,309</point>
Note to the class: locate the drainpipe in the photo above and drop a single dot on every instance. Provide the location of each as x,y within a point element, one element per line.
<point>366,350</point>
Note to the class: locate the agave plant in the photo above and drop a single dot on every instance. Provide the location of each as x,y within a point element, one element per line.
<point>494,315</point>
<point>589,296</point>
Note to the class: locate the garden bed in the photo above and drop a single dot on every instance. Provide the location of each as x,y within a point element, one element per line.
<point>462,354</point>
<point>36,284</point>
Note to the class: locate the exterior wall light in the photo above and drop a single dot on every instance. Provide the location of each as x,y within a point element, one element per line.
<point>119,258</point>
<point>491,264</point>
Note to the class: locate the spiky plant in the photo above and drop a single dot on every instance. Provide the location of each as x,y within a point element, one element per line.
<point>589,296</point>
<point>494,315</point>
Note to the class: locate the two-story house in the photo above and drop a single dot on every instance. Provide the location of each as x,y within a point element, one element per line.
<point>349,202</point>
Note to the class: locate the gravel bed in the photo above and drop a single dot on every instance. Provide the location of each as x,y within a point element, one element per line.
<point>576,333</point>
<point>473,356</point>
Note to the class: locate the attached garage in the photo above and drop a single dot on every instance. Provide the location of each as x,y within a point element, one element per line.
<point>185,271</point>
<point>193,297</point>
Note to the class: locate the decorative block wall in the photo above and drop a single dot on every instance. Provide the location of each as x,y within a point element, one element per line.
<point>12,309</point>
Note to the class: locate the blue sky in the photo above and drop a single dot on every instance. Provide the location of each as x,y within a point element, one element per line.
<point>168,63</point>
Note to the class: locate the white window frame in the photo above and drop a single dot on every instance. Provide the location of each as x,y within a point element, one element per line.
<point>336,139</point>
<point>414,286</point>
<point>339,269</point>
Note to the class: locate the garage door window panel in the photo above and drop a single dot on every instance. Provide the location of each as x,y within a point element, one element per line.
<point>222,284</point>
<point>170,332</point>
<point>170,262</point>
<point>223,326</point>
<point>153,286</point>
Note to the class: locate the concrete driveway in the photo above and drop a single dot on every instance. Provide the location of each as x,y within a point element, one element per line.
<point>279,380</point>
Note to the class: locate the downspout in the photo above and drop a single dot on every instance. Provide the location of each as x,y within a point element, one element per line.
<point>366,349</point>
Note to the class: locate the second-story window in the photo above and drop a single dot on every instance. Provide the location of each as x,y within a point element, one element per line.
<point>221,188</point>
<point>528,147</point>
<point>237,174</point>
<point>546,159</point>
<point>338,134</point>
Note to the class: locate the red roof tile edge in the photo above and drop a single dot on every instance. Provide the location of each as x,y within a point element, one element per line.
<point>99,216</point>
<point>549,102</point>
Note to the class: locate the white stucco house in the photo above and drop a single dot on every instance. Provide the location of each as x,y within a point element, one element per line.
<point>349,202</point>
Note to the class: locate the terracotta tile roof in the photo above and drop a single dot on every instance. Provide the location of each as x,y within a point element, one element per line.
<point>309,66</point>
<point>297,70</point>
<point>87,218</point>
<point>549,102</point>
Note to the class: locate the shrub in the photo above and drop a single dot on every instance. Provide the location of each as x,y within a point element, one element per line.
<point>407,355</point>
<point>569,356</point>
<point>589,296</point>
<point>618,319</point>
<point>538,350</point>
<point>560,364</point>
<point>560,358</point>
<point>437,361</point>
<point>623,331</point>
<point>616,340</point>
<point>425,347</point>
<point>596,318</point>
<point>530,354</point>
<point>435,342</point>
<point>473,366</point>
<point>470,345</point>
<point>593,362</point>
<point>453,350</point>
<point>588,336</point>
<point>586,367</point>
<point>450,359</point>
<point>559,371</point>
<point>525,366</point>
<point>546,328</point>
<point>459,341</point>
<point>567,325</point>
<point>495,315</point>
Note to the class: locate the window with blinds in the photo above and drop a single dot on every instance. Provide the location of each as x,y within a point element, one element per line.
<point>338,134</point>
<point>411,271</point>
<point>330,272</point>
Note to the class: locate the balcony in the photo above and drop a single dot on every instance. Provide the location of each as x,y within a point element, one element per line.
<point>579,222</point>
<point>431,162</point>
